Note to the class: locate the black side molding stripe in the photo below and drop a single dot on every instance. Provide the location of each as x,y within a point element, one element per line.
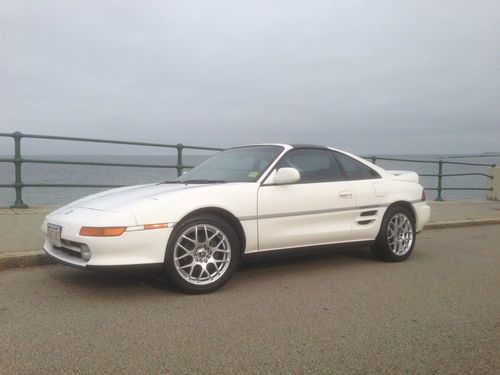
<point>317,212</point>
<point>301,213</point>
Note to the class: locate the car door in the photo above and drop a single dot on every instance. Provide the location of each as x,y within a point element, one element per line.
<point>370,192</point>
<point>318,209</point>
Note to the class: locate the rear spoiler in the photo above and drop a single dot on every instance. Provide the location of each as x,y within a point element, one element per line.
<point>404,176</point>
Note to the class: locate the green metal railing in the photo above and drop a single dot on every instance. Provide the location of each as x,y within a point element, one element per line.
<point>439,188</point>
<point>18,161</point>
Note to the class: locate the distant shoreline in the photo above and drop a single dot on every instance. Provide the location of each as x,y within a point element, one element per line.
<point>436,156</point>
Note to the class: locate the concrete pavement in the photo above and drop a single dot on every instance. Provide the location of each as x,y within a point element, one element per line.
<point>332,312</point>
<point>21,239</point>
<point>457,212</point>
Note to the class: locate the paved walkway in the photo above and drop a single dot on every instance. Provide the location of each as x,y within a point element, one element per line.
<point>464,210</point>
<point>21,234</point>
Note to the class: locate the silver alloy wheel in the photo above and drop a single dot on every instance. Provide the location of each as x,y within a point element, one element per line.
<point>202,254</point>
<point>400,234</point>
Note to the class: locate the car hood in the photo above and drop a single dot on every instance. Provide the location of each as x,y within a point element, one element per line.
<point>122,199</point>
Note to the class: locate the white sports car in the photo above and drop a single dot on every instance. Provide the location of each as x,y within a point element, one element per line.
<point>243,200</point>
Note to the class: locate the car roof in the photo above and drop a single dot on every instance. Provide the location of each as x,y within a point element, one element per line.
<point>305,145</point>
<point>287,145</point>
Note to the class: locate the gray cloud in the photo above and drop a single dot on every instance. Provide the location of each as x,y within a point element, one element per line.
<point>371,77</point>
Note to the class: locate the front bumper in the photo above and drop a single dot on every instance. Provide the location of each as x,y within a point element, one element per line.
<point>142,247</point>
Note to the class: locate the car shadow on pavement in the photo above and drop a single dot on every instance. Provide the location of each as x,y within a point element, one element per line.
<point>305,255</point>
<point>109,279</point>
<point>280,263</point>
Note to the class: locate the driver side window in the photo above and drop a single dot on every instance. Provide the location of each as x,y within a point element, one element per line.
<point>314,165</point>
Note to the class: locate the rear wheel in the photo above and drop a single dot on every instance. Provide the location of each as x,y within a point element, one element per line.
<point>202,254</point>
<point>396,239</point>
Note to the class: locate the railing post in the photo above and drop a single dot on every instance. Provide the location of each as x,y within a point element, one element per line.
<point>374,159</point>
<point>493,183</point>
<point>179,147</point>
<point>440,181</point>
<point>18,183</point>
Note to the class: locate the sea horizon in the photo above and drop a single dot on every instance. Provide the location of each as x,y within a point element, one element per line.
<point>83,174</point>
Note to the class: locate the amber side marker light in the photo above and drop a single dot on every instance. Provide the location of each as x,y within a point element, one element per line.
<point>102,231</point>
<point>155,226</point>
<point>147,227</point>
<point>118,231</point>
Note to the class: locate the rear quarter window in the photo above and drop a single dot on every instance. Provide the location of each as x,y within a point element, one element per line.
<point>353,169</point>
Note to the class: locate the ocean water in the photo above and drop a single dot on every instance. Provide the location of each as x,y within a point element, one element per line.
<point>75,174</point>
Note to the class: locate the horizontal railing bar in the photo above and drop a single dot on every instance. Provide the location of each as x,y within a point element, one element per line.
<point>110,141</point>
<point>32,185</point>
<point>470,156</point>
<point>95,140</point>
<point>172,166</point>
<point>443,188</point>
<point>465,188</point>
<point>43,185</point>
<point>6,160</point>
<point>40,161</point>
<point>427,161</point>
<point>455,174</point>
<point>475,164</point>
<point>405,160</point>
<point>467,174</point>
<point>202,148</point>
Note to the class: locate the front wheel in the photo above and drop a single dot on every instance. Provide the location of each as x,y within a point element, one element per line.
<point>202,254</point>
<point>396,239</point>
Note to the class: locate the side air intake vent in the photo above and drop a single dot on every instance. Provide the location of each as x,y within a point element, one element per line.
<point>364,222</point>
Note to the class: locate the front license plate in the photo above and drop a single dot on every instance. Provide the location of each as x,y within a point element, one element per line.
<point>54,234</point>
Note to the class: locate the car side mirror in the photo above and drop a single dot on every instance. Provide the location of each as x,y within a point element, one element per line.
<point>286,176</point>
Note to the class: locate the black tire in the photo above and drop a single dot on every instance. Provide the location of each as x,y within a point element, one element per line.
<point>383,248</point>
<point>178,275</point>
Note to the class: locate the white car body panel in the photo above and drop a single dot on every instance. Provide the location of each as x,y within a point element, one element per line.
<point>286,219</point>
<point>271,216</point>
<point>367,201</point>
<point>404,176</point>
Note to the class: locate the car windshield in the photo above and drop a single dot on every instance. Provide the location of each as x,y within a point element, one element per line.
<point>242,164</point>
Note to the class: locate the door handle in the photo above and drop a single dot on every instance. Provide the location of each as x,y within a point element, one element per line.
<point>345,194</point>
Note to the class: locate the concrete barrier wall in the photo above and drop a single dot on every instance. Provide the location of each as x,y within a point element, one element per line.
<point>494,183</point>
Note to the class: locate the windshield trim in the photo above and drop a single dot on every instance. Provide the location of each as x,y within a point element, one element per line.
<point>267,172</point>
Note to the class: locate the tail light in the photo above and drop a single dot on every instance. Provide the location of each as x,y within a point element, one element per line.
<point>423,198</point>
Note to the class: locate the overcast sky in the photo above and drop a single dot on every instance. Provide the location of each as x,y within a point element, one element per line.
<point>367,76</point>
